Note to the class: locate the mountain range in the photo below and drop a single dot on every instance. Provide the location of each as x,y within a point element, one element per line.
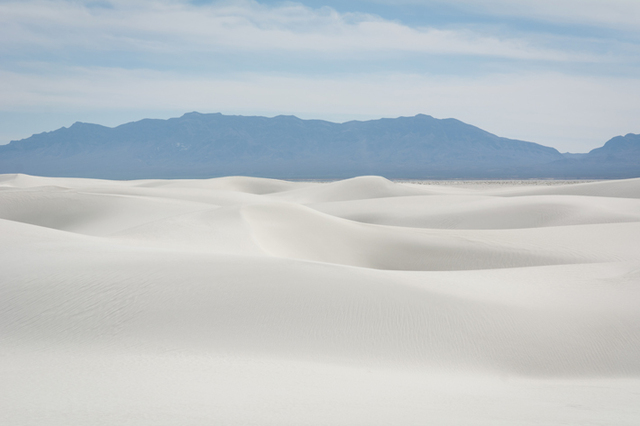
<point>210,145</point>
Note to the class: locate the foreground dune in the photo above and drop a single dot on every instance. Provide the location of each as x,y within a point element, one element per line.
<point>240,301</point>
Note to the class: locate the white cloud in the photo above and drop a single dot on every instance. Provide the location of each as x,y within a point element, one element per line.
<point>569,113</point>
<point>619,14</point>
<point>175,26</point>
<point>612,13</point>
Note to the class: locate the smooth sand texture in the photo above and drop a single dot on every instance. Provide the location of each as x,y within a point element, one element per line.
<point>244,301</point>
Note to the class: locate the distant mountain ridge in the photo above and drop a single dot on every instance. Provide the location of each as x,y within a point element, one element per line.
<point>209,145</point>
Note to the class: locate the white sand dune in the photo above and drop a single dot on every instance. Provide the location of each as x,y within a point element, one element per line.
<point>486,212</point>
<point>244,301</point>
<point>628,188</point>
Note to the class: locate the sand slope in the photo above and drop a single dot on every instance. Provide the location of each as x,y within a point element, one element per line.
<point>361,302</point>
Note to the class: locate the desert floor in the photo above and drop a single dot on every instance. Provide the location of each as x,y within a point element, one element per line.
<point>245,301</point>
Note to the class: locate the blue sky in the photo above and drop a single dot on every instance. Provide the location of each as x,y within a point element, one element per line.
<point>564,73</point>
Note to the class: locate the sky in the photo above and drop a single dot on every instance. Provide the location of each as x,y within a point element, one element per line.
<point>562,73</point>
